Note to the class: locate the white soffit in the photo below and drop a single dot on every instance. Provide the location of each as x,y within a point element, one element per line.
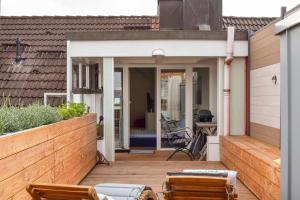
<point>144,48</point>
<point>289,21</point>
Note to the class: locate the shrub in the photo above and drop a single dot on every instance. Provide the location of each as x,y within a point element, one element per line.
<point>73,110</point>
<point>14,119</point>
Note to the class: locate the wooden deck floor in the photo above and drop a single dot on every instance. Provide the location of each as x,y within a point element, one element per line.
<point>151,171</point>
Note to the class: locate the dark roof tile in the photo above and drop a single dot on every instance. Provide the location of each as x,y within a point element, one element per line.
<point>247,23</point>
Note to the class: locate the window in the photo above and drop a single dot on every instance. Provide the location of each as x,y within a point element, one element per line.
<point>86,79</point>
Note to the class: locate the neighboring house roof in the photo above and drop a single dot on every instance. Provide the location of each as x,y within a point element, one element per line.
<point>44,49</point>
<point>247,23</point>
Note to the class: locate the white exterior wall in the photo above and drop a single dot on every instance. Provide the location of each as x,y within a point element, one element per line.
<point>108,108</point>
<point>189,97</point>
<point>265,96</point>
<point>220,99</point>
<point>238,97</point>
<point>172,48</point>
<point>145,48</point>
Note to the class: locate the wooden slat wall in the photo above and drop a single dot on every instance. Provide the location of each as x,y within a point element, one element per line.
<point>253,160</point>
<point>265,95</point>
<point>63,152</point>
<point>270,134</point>
<point>264,48</point>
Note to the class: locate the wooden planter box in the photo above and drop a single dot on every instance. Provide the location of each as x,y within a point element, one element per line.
<point>63,152</point>
<point>254,162</point>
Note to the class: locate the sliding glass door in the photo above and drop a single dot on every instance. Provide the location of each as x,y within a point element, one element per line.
<point>172,100</point>
<point>200,91</point>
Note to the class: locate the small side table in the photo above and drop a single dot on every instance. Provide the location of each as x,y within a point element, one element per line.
<point>210,129</point>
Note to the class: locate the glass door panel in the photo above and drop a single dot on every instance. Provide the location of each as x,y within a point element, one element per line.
<point>200,91</point>
<point>172,99</point>
<point>118,102</point>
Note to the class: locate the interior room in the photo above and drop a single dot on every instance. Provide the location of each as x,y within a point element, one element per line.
<point>142,108</point>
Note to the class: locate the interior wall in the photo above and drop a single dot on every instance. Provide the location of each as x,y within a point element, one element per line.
<point>142,80</point>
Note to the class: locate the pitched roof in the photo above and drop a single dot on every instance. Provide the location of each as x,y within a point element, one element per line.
<point>44,49</point>
<point>247,23</point>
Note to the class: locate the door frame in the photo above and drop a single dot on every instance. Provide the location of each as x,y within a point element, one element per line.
<point>126,97</point>
<point>121,134</point>
<point>188,96</point>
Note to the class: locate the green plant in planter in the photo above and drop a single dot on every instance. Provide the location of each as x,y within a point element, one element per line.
<point>13,119</point>
<point>2,126</point>
<point>71,110</point>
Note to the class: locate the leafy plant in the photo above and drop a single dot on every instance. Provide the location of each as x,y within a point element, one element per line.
<point>14,119</point>
<point>71,110</point>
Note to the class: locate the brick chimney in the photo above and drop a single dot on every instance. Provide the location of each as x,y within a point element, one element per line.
<point>190,14</point>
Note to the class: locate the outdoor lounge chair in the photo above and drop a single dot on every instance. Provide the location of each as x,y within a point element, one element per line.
<point>75,192</point>
<point>198,187</point>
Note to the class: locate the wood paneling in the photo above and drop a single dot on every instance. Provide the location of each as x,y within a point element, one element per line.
<point>63,152</point>
<point>266,134</point>
<point>264,48</point>
<point>265,104</point>
<point>254,162</point>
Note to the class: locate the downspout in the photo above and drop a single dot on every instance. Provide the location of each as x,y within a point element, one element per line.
<point>248,80</point>
<point>227,66</point>
<point>247,108</point>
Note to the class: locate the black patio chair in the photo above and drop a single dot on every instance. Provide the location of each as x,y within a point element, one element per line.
<point>183,141</point>
<point>169,125</point>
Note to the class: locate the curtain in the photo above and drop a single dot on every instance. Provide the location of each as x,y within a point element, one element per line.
<point>173,104</point>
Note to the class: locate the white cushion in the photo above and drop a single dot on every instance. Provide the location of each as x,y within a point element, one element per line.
<point>231,174</point>
<point>114,191</point>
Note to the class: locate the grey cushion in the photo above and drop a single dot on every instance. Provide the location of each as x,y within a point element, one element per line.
<point>115,191</point>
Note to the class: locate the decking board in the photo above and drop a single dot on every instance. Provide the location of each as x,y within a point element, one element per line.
<point>151,170</point>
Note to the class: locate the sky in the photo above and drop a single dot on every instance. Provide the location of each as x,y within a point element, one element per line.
<point>250,8</point>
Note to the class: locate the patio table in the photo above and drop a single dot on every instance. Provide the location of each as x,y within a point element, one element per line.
<point>209,129</point>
